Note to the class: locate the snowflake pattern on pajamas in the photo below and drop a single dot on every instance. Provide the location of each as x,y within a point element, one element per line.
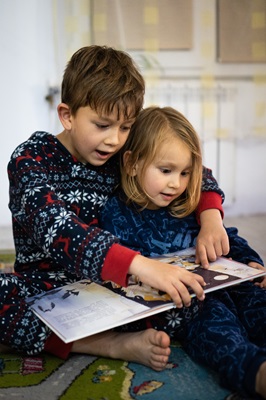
<point>55,202</point>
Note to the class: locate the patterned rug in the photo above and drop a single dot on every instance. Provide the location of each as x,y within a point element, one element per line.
<point>84,377</point>
<point>91,378</point>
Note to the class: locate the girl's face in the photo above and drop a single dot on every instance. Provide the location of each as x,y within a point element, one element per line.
<point>167,177</point>
<point>93,138</point>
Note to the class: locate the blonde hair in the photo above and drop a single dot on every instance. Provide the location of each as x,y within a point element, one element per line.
<point>152,128</point>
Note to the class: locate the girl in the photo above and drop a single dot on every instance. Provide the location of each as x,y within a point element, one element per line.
<point>154,213</point>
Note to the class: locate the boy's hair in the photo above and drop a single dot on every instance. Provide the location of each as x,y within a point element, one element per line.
<point>104,79</point>
<point>150,130</point>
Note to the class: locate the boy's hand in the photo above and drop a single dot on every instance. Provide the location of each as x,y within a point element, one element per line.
<point>212,240</point>
<point>256,265</point>
<point>168,278</point>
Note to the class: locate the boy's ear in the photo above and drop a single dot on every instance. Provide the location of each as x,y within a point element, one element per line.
<point>64,115</point>
<point>132,171</point>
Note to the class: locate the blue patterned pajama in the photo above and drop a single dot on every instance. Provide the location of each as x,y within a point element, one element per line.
<point>227,332</point>
<point>229,335</point>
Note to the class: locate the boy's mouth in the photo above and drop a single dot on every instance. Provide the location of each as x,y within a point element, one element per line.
<point>103,154</point>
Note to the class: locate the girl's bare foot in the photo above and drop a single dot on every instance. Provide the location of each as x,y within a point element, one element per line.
<point>261,381</point>
<point>149,347</point>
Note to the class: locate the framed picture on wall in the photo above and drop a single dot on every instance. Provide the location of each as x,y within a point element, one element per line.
<point>241,31</point>
<point>142,25</point>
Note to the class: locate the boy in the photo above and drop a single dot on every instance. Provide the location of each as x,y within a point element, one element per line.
<point>58,185</point>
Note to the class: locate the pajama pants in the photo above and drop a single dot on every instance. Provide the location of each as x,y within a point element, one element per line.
<point>227,332</point>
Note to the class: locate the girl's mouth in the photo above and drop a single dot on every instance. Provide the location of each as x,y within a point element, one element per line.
<point>167,197</point>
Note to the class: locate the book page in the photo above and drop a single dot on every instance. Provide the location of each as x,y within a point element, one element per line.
<point>221,273</point>
<point>82,309</point>
<point>85,308</point>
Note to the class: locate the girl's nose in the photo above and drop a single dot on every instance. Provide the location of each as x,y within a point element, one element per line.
<point>174,183</point>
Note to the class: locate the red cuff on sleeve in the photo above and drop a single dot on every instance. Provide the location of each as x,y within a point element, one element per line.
<point>209,200</point>
<point>117,263</point>
<point>57,347</point>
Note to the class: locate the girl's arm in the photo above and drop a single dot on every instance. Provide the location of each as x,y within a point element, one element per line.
<point>262,282</point>
<point>212,240</point>
<point>241,251</point>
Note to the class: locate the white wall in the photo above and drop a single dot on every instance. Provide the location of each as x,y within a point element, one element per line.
<point>226,103</point>
<point>27,70</point>
<point>237,156</point>
<point>32,61</point>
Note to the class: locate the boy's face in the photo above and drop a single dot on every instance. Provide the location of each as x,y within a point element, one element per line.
<point>94,138</point>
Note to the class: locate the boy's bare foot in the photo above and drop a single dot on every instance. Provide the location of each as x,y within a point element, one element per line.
<point>261,381</point>
<point>149,347</point>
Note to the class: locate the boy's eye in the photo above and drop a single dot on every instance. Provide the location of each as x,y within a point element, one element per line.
<point>102,126</point>
<point>106,126</point>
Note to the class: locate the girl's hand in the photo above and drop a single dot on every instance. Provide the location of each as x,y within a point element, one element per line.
<point>212,240</point>
<point>256,265</point>
<point>168,278</point>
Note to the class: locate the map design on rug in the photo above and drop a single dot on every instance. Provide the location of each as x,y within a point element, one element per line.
<point>91,378</point>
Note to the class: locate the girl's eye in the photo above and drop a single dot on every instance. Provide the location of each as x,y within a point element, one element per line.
<point>185,173</point>
<point>165,170</point>
<point>125,128</point>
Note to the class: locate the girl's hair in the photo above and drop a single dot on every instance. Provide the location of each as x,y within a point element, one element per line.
<point>105,79</point>
<point>150,130</point>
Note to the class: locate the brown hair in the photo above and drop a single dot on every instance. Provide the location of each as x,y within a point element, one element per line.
<point>151,128</point>
<point>104,79</point>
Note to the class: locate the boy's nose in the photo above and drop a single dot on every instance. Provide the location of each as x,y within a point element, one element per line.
<point>113,137</point>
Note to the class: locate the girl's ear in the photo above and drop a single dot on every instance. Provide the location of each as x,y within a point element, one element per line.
<point>130,170</point>
<point>64,115</point>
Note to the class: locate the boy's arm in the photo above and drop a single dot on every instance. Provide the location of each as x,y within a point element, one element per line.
<point>212,195</point>
<point>212,241</point>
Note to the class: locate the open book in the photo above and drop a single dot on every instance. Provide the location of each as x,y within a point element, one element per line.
<point>85,308</point>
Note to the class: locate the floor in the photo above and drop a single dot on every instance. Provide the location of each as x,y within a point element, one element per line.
<point>252,228</point>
